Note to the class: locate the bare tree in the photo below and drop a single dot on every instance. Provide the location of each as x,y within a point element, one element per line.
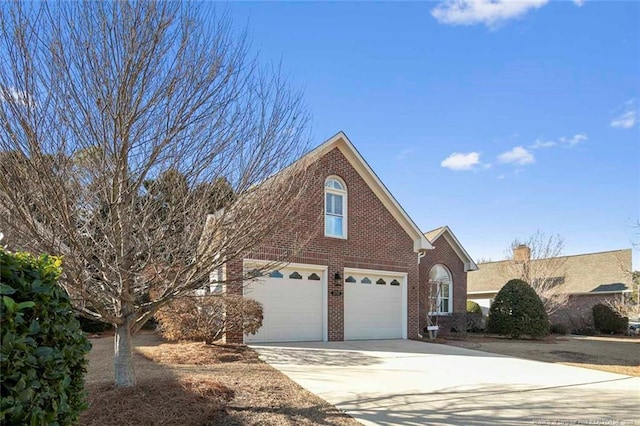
<point>538,261</point>
<point>123,125</point>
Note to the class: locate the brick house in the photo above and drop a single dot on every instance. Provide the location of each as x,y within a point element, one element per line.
<point>587,279</point>
<point>361,274</point>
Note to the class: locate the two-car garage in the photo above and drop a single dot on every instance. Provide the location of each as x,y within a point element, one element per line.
<point>295,303</point>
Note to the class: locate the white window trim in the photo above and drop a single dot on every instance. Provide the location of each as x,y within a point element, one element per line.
<point>450,304</point>
<point>345,208</point>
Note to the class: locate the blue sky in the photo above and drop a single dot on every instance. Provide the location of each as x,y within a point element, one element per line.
<point>497,119</point>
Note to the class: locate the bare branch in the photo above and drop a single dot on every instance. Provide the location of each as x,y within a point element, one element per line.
<point>123,125</point>
<point>538,261</point>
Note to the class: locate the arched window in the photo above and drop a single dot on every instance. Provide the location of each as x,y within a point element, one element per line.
<point>335,208</point>
<point>440,290</point>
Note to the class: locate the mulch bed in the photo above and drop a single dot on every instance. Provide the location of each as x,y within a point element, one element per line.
<point>193,384</point>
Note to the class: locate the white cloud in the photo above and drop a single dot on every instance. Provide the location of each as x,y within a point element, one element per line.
<point>542,144</point>
<point>578,3</point>
<point>517,155</point>
<point>626,120</point>
<point>12,94</point>
<point>404,154</point>
<point>461,161</point>
<point>575,140</point>
<point>628,116</point>
<point>487,12</point>
<point>562,141</point>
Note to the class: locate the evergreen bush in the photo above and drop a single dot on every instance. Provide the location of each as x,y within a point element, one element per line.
<point>516,311</point>
<point>42,353</point>
<point>473,307</point>
<point>607,321</point>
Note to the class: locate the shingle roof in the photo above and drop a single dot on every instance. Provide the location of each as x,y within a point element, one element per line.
<point>607,271</point>
<point>446,233</point>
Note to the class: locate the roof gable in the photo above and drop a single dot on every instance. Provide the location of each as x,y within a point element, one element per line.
<point>446,233</point>
<point>352,155</point>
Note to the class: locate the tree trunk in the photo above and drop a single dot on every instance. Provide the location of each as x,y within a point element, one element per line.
<point>123,360</point>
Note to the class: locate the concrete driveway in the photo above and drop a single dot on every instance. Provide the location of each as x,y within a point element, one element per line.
<point>404,382</point>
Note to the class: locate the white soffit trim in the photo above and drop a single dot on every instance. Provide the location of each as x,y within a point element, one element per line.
<point>469,264</point>
<point>350,152</point>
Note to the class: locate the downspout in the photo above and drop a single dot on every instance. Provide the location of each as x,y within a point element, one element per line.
<point>421,253</point>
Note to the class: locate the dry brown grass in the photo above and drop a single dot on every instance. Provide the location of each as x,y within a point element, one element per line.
<point>612,354</point>
<point>195,384</point>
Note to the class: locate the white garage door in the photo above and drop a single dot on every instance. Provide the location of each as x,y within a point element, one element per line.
<point>293,305</point>
<point>373,305</point>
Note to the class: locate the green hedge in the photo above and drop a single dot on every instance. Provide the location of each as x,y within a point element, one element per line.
<point>42,353</point>
<point>473,307</point>
<point>517,310</point>
<point>607,321</point>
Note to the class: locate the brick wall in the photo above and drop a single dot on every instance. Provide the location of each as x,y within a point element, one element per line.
<point>375,240</point>
<point>443,254</point>
<point>578,313</point>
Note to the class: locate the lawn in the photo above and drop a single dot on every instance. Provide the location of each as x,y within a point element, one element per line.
<point>613,354</point>
<point>196,384</point>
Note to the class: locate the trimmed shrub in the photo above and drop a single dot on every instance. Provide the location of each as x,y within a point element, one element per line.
<point>608,321</point>
<point>473,307</point>
<point>205,318</point>
<point>42,356</point>
<point>516,311</point>
<point>475,322</point>
<point>558,329</point>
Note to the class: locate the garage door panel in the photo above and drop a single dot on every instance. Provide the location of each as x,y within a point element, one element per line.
<point>373,311</point>
<point>292,308</point>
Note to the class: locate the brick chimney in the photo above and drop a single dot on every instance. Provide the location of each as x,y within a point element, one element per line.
<point>522,253</point>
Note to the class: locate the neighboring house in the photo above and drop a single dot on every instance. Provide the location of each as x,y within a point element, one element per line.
<point>361,274</point>
<point>587,279</point>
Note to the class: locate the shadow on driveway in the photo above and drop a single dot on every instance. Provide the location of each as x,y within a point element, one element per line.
<point>356,353</point>
<point>400,382</point>
<point>491,405</point>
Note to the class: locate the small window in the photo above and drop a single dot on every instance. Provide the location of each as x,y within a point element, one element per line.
<point>335,208</point>
<point>295,276</point>
<point>381,282</point>
<point>395,282</point>
<point>350,279</point>
<point>440,290</point>
<point>334,183</point>
<point>314,277</point>
<point>276,274</point>
<point>365,280</point>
